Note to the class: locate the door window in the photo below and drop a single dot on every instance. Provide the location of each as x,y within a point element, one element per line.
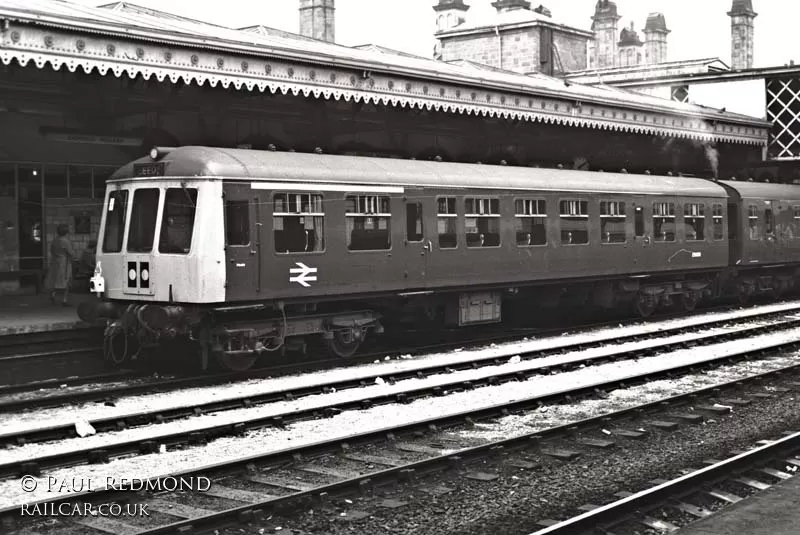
<point>237,223</point>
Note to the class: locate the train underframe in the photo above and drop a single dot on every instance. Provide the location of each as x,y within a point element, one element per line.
<point>235,338</point>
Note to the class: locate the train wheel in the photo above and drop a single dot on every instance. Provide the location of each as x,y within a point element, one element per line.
<point>645,305</point>
<point>690,300</point>
<point>236,363</point>
<point>344,344</point>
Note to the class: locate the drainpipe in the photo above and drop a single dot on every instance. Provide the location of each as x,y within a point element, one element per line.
<point>499,45</point>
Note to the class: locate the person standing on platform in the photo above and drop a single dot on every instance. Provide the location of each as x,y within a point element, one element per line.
<point>59,274</point>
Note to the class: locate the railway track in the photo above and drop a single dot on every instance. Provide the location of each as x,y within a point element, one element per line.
<point>680,497</point>
<point>258,486</point>
<point>146,384</point>
<point>241,424</point>
<point>79,364</point>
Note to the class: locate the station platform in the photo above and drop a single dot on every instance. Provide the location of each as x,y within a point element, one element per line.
<point>22,314</point>
<point>774,511</point>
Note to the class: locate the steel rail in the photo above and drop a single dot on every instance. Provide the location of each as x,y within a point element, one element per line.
<point>121,422</point>
<point>105,394</point>
<point>171,382</point>
<point>255,511</point>
<point>35,466</point>
<point>610,514</point>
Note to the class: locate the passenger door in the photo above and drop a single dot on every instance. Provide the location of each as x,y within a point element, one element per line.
<point>642,234</point>
<point>417,232</point>
<point>242,242</point>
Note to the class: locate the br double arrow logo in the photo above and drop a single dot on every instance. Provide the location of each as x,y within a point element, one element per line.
<point>302,274</point>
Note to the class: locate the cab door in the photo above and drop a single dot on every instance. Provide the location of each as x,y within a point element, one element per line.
<point>242,242</point>
<point>417,230</point>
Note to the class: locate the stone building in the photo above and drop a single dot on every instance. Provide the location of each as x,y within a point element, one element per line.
<point>520,39</point>
<point>742,33</point>
<point>611,48</point>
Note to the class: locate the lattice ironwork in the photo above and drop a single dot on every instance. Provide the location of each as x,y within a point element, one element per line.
<point>783,111</point>
<point>680,93</point>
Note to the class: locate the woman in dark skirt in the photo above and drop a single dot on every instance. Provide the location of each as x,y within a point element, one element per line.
<point>59,275</point>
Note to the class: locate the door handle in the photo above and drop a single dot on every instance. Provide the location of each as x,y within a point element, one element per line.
<point>428,246</point>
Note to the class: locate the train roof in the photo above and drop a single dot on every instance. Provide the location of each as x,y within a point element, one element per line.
<point>253,165</point>
<point>760,190</point>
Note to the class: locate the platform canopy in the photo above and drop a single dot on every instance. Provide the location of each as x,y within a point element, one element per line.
<point>126,40</point>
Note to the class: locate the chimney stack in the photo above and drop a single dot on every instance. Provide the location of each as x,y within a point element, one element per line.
<point>742,33</point>
<point>317,19</point>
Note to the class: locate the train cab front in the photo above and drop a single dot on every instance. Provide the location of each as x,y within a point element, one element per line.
<point>157,259</point>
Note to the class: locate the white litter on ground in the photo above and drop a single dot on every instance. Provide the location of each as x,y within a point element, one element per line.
<point>349,422</point>
<point>189,397</point>
<point>48,416</point>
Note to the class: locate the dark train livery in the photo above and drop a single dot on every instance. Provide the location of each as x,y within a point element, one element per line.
<point>248,252</point>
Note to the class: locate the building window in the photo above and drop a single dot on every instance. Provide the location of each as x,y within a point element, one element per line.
<point>116,212</point>
<point>694,220</point>
<point>574,217</point>
<point>80,182</point>
<point>612,222</point>
<point>298,223</point>
<point>752,222</point>
<point>530,221</point>
<point>101,175</point>
<point>142,226</point>
<point>638,221</point>
<point>482,221</point>
<point>55,182</point>
<point>414,222</point>
<point>177,221</point>
<point>446,222</point>
<point>237,223</point>
<point>717,220</point>
<point>368,222</point>
<point>664,221</point>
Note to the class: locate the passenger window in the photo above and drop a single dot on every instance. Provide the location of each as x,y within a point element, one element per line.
<point>367,222</point>
<point>612,222</point>
<point>638,221</point>
<point>298,223</point>
<point>414,222</point>
<point>446,222</point>
<point>142,226</point>
<point>694,220</point>
<point>574,222</point>
<point>237,223</point>
<point>752,222</point>
<point>664,221</point>
<point>482,221</point>
<point>177,221</point>
<point>116,211</point>
<point>795,226</point>
<point>530,221</point>
<point>717,219</point>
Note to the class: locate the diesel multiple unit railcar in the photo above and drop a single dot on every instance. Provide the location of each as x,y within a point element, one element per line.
<point>247,252</point>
